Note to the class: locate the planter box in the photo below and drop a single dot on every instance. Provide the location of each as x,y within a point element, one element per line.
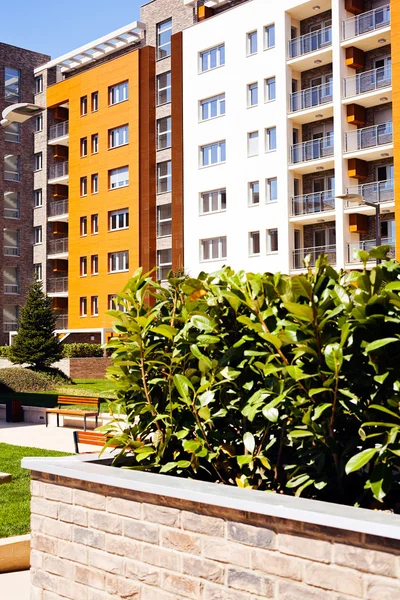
<point>101,532</point>
<point>14,554</point>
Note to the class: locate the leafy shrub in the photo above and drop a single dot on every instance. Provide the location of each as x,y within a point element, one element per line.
<point>4,350</point>
<point>16,379</point>
<point>82,350</point>
<point>55,376</point>
<point>266,381</point>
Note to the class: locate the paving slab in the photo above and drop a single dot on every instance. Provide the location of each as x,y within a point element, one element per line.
<point>40,436</point>
<point>15,586</point>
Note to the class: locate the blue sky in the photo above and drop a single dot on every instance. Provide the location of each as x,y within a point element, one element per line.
<point>55,27</point>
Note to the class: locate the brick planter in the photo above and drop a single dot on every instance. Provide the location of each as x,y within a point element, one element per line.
<point>104,533</point>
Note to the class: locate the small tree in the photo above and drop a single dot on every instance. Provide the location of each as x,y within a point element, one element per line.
<point>36,344</point>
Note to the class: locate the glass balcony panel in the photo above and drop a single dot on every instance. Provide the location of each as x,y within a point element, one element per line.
<point>369,137</point>
<point>378,192</point>
<point>59,130</point>
<point>310,42</point>
<point>367,245</point>
<point>314,96</point>
<point>312,150</point>
<point>58,246</point>
<point>368,81</point>
<point>314,252</point>
<point>366,22</point>
<point>313,203</point>
<point>59,169</point>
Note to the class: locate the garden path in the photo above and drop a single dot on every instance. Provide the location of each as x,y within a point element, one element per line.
<point>40,436</point>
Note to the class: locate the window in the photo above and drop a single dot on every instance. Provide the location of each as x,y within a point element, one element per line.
<point>83,186</point>
<point>95,143</point>
<point>270,89</point>
<point>254,243</point>
<point>164,177</point>
<point>252,94</point>
<point>118,219</point>
<point>11,205</point>
<point>164,220</point>
<point>11,280</point>
<point>11,167</point>
<point>114,305</point>
<point>95,101</point>
<point>83,306</point>
<point>38,161</point>
<point>118,93</point>
<point>94,264</point>
<point>11,244</point>
<point>252,143</point>
<point>39,123</point>
<point>252,43</point>
<point>213,201</point>
<point>12,133</point>
<point>39,84</point>
<point>37,198</point>
<point>83,147</point>
<point>118,136</point>
<point>94,306</point>
<point>83,266</point>
<point>270,139</point>
<point>272,189</point>
<point>118,261</point>
<point>212,107</point>
<point>12,85</point>
<point>213,154</point>
<point>254,193</point>
<point>38,271</point>
<point>95,183</point>
<point>83,226</point>
<point>118,177</point>
<point>83,106</point>
<point>272,241</point>
<point>94,224</point>
<point>163,133</point>
<point>164,88</point>
<point>213,249</point>
<point>269,36</point>
<point>164,32</point>
<point>164,263</point>
<point>37,235</point>
<point>212,58</point>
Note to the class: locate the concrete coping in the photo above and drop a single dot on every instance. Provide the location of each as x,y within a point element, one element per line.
<point>94,470</point>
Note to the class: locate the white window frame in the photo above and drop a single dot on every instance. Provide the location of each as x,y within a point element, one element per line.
<point>268,29</point>
<point>254,239</point>
<point>83,226</point>
<point>83,187</point>
<point>121,178</point>
<point>253,143</point>
<point>252,94</point>
<point>119,260</point>
<point>269,238</point>
<point>250,42</point>
<point>12,97</point>
<point>95,143</point>
<point>39,123</point>
<point>83,266</point>
<point>268,147</point>
<point>94,183</point>
<point>114,219</point>
<point>209,149</point>
<point>84,147</point>
<point>269,183</point>
<point>83,106</point>
<point>161,178</point>
<point>39,84</point>
<point>221,245</point>
<point>13,211</point>
<point>118,93</point>
<point>267,83</point>
<point>167,134</point>
<point>253,193</point>
<point>38,271</point>
<point>163,267</point>
<point>95,101</point>
<point>213,104</point>
<point>12,133</point>
<point>164,48</point>
<point>164,220</point>
<point>94,306</point>
<point>207,198</point>
<point>83,306</point>
<point>94,264</point>
<point>166,89</point>
<point>38,161</point>
<point>206,56</point>
<point>37,235</point>
<point>37,198</point>
<point>119,136</point>
<point>94,224</point>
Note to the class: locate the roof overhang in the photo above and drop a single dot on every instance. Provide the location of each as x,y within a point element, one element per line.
<point>19,113</point>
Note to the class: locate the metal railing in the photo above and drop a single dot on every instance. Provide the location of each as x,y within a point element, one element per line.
<point>10,326</point>
<point>11,250</point>
<point>368,137</point>
<point>366,22</point>
<point>11,213</point>
<point>378,192</point>
<point>367,245</point>
<point>62,322</point>
<point>315,252</point>
<point>58,208</point>
<point>310,42</point>
<point>11,175</point>
<point>11,288</point>
<point>57,285</point>
<point>58,246</point>
<point>314,96</point>
<point>368,81</point>
<point>312,150</point>
<point>59,169</point>
<point>313,203</point>
<point>59,130</point>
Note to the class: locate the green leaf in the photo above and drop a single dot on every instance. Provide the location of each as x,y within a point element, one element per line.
<point>319,410</point>
<point>207,340</point>
<point>381,481</point>
<point>182,384</point>
<point>204,413</point>
<point>165,330</point>
<point>359,460</point>
<point>249,442</point>
<point>302,287</point>
<point>380,343</point>
<point>191,445</point>
<point>298,480</point>
<point>299,433</point>
<point>334,357</point>
<point>385,410</point>
<point>203,323</point>
<point>301,311</point>
<point>244,459</point>
<point>270,413</point>
<point>200,356</point>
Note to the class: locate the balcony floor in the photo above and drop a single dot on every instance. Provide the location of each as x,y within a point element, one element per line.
<point>372,98</point>
<point>305,62</point>
<point>309,114</point>
<point>375,153</point>
<point>64,180</point>
<point>369,41</point>
<point>311,166</point>
<point>313,218</point>
<point>63,140</point>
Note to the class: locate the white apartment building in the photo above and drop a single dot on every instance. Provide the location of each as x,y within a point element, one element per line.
<point>286,105</point>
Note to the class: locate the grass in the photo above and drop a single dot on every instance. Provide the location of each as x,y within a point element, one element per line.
<point>15,496</point>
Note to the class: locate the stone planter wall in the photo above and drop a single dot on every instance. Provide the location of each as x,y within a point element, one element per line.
<point>97,541</point>
<point>76,368</point>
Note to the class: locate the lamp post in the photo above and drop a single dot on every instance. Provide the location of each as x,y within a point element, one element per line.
<point>359,199</point>
<point>19,113</point>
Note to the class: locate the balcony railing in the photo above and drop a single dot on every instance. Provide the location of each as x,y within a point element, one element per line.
<point>59,130</point>
<point>367,246</point>
<point>10,326</point>
<point>369,81</point>
<point>366,22</point>
<point>11,288</point>
<point>314,96</point>
<point>312,150</point>
<point>313,203</point>
<point>11,175</point>
<point>11,250</point>
<point>57,285</point>
<point>314,252</point>
<point>62,322</point>
<point>378,192</point>
<point>368,137</point>
<point>310,42</point>
<point>11,213</point>
<point>58,208</point>
<point>58,246</point>
<point>58,170</point>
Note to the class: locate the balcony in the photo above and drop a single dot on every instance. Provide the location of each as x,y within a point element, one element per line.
<point>366,87</point>
<point>11,250</point>
<point>304,50</point>
<point>366,29</point>
<point>59,134</point>
<point>307,206</point>
<point>11,288</point>
<point>57,286</point>
<point>314,252</point>
<point>62,321</point>
<point>378,192</point>
<point>367,246</point>
<point>10,326</point>
<point>58,248</point>
<point>306,156</point>
<point>306,101</point>
<point>58,211</point>
<point>369,142</point>
<point>58,173</point>
<point>11,213</point>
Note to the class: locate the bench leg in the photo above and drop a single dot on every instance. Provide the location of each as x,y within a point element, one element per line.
<point>58,420</point>
<point>47,420</point>
<point>84,422</point>
<point>97,420</point>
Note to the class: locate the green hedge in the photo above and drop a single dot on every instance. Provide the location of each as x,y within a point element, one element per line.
<point>4,350</point>
<point>17,379</point>
<point>82,350</point>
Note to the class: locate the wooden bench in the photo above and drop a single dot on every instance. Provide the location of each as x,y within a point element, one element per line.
<point>75,400</point>
<point>93,438</point>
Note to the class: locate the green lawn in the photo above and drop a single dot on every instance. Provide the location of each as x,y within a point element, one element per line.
<point>15,496</point>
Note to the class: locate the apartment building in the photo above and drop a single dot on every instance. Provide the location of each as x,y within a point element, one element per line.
<point>286,106</point>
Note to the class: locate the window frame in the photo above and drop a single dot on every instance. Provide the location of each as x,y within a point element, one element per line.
<point>113,216</point>
<point>122,85</point>
<point>268,147</point>
<point>161,178</point>
<point>252,193</point>
<point>37,162</point>
<point>13,97</point>
<point>39,84</point>
<point>249,43</point>
<point>167,89</point>
<point>252,87</point>
<point>94,264</point>
<point>161,134</point>
<point>95,143</point>
<point>254,235</point>
<point>37,235</point>
<point>83,187</point>
<point>221,244</point>
<point>94,102</point>
<point>94,306</point>
<point>121,255</point>
<point>83,306</point>
<point>38,194</point>
<point>272,230</point>
<point>221,199</point>
<point>220,51</point>
<point>268,183</point>
<point>83,226</point>
<point>163,220</point>
<point>221,153</point>
<point>267,96</point>
<point>163,266</point>
<point>94,183</point>
<point>83,266</point>
<point>83,106</point>
<point>121,183</point>
<point>115,134</point>
<point>160,46</point>
<point>14,137</point>
<point>94,224</point>
<point>84,147</point>
<point>220,102</point>
<point>267,29</point>
<point>256,137</point>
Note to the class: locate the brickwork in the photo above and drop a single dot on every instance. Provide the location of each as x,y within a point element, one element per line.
<point>93,368</point>
<point>95,542</point>
<point>325,125</point>
<point>371,56</point>
<point>370,235</point>
<point>308,232</point>
<point>307,76</point>
<point>372,113</point>
<point>314,20</point>
<point>310,177</point>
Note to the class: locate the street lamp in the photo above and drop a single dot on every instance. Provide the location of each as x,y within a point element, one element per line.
<point>357,198</point>
<point>19,113</point>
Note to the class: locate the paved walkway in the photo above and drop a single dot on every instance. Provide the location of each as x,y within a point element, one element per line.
<point>15,586</point>
<point>40,436</point>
